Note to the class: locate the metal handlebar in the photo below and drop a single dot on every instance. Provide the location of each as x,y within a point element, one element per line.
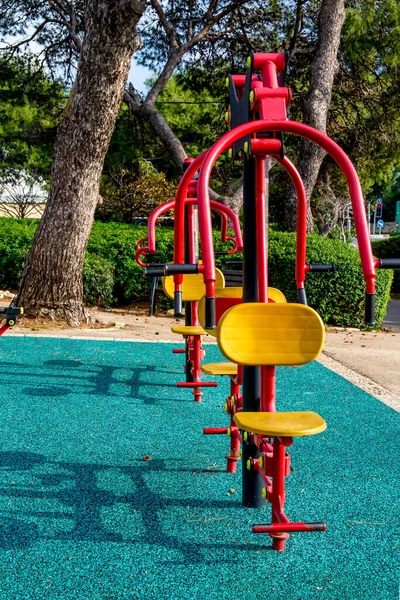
<point>171,269</point>
<point>388,263</point>
<point>320,268</point>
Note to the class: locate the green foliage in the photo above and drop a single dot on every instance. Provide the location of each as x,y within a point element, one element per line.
<point>111,275</point>
<point>98,281</point>
<point>337,296</point>
<point>15,241</point>
<point>389,248</point>
<point>133,195</point>
<point>364,116</point>
<point>115,243</point>
<point>30,105</point>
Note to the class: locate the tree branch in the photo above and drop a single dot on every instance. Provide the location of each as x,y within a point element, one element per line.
<point>168,28</point>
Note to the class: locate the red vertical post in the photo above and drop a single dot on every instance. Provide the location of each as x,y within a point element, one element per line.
<point>278,492</point>
<point>261,229</point>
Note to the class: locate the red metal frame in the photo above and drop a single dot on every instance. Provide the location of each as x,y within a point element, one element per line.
<point>233,405</point>
<point>276,464</point>
<point>147,245</point>
<point>270,101</point>
<point>4,328</point>
<point>193,346</point>
<point>367,260</point>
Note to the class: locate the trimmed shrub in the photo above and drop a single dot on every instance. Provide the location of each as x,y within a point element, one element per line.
<point>16,237</point>
<point>98,281</point>
<point>111,275</point>
<point>389,248</point>
<point>337,296</point>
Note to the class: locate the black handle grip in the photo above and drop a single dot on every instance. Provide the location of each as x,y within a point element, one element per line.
<point>159,272</point>
<point>234,262</point>
<point>178,305</point>
<point>370,309</point>
<point>210,314</point>
<point>221,253</point>
<point>184,269</point>
<point>389,263</point>
<point>301,294</point>
<point>321,268</point>
<point>11,311</point>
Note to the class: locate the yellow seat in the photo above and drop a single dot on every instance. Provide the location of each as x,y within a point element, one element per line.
<point>276,295</point>
<point>258,333</point>
<point>280,424</point>
<point>220,368</point>
<point>229,292</point>
<point>188,330</point>
<point>193,287</point>
<point>235,294</point>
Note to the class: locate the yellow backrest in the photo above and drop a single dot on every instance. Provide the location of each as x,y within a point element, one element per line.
<point>276,295</point>
<point>270,334</point>
<point>222,304</point>
<point>193,287</point>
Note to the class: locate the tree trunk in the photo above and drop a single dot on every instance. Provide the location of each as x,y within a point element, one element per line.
<point>52,280</point>
<point>315,113</point>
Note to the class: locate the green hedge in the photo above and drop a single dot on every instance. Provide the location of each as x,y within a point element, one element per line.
<point>389,248</point>
<point>112,277</point>
<point>338,296</point>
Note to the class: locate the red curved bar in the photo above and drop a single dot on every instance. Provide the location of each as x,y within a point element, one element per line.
<point>140,242</point>
<point>224,211</point>
<point>301,225</point>
<point>179,212</point>
<point>141,252</point>
<point>313,135</point>
<point>151,223</point>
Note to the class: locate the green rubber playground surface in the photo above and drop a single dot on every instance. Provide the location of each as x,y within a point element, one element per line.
<point>84,516</point>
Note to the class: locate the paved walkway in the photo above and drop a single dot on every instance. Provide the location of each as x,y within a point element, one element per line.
<point>392,319</point>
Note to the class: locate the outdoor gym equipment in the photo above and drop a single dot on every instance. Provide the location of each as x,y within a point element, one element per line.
<point>225,299</point>
<point>266,104</point>
<point>146,246</point>
<point>193,290</point>
<point>258,116</point>
<point>192,284</point>
<point>266,334</point>
<point>10,314</point>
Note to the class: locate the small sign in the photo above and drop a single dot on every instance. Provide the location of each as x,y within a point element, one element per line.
<point>380,224</point>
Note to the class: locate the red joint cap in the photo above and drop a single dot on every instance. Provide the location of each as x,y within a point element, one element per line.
<point>259,60</point>
<point>264,147</point>
<point>238,80</point>
<point>266,92</point>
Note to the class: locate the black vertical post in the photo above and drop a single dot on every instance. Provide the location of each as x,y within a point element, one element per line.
<point>252,483</point>
<point>188,308</point>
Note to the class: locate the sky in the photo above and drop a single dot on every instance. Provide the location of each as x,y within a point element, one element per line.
<point>138,75</point>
